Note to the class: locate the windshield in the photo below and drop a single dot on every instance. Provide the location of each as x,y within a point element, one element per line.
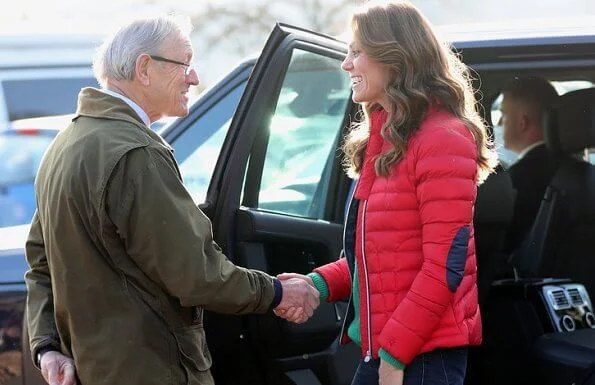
<point>21,155</point>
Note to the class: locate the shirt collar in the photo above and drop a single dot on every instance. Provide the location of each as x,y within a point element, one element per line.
<point>529,148</point>
<point>140,112</point>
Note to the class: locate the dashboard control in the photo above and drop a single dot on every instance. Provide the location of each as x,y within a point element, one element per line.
<point>567,323</point>
<point>569,306</point>
<point>589,319</point>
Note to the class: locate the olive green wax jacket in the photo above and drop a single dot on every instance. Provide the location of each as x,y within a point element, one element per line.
<point>122,262</point>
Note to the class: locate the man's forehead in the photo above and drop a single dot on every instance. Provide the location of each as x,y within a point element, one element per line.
<point>180,45</point>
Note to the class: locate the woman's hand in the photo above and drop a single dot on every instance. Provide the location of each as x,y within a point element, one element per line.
<point>389,375</point>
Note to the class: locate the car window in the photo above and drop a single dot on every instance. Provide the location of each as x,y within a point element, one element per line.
<point>506,156</point>
<point>303,135</point>
<point>197,149</point>
<point>27,98</point>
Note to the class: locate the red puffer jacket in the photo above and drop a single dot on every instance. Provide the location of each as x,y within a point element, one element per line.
<point>417,268</point>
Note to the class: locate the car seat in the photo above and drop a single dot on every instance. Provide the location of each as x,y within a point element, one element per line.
<point>561,242</point>
<point>494,208</point>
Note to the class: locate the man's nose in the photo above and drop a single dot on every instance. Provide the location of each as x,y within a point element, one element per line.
<point>192,78</point>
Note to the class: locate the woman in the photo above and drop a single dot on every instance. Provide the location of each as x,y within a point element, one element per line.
<point>419,154</point>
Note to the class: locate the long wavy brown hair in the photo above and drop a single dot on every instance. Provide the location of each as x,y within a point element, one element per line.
<point>422,71</point>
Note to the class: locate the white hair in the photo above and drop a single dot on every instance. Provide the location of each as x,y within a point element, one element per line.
<point>116,57</point>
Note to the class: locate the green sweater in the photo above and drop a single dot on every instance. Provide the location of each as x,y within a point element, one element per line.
<point>354,329</point>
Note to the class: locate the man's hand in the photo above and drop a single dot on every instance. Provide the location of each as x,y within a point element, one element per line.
<point>389,375</point>
<point>57,369</point>
<point>286,276</point>
<point>299,301</point>
<point>293,314</point>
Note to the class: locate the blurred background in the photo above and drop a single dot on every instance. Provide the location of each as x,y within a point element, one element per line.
<point>226,30</point>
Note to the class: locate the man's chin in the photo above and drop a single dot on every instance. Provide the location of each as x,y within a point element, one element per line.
<point>177,114</point>
<point>183,111</point>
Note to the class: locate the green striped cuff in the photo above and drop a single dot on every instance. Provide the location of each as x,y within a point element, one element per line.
<point>390,359</point>
<point>320,284</point>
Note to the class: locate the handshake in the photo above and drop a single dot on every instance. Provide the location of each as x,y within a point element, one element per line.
<point>300,298</point>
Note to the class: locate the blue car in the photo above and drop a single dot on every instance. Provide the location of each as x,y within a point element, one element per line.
<point>21,149</point>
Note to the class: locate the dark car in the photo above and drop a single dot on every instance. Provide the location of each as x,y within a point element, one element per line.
<point>259,154</point>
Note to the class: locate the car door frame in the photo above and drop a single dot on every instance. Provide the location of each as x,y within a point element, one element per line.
<point>238,229</point>
<point>271,64</point>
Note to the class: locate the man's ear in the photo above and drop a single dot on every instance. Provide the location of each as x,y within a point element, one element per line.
<point>142,69</point>
<point>525,122</point>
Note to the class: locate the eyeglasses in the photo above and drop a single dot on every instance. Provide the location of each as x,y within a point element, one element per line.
<point>187,68</point>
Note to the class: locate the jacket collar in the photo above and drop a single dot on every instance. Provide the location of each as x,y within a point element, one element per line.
<point>138,109</point>
<point>529,148</point>
<point>373,149</point>
<point>95,103</point>
<point>376,146</point>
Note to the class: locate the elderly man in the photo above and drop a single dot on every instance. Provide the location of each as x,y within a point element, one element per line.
<point>524,103</point>
<point>122,262</point>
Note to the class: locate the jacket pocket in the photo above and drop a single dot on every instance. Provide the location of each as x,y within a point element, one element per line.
<point>194,353</point>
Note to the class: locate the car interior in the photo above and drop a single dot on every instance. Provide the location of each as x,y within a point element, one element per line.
<point>537,314</point>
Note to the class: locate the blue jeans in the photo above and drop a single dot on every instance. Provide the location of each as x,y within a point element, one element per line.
<point>438,367</point>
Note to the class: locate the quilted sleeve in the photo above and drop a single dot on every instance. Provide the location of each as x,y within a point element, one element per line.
<point>444,170</point>
<point>337,279</point>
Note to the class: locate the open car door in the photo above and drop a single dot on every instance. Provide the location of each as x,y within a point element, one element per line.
<point>277,201</point>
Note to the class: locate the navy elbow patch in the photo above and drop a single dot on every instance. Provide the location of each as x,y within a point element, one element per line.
<point>457,256</point>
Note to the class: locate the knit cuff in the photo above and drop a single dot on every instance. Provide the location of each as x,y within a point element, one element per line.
<point>384,355</point>
<point>320,285</point>
<point>278,296</point>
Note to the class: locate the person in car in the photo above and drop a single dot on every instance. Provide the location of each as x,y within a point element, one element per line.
<point>122,262</point>
<point>419,154</point>
<point>524,102</point>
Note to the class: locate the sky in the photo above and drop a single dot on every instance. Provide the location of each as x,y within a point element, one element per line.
<point>45,16</point>
<point>68,16</point>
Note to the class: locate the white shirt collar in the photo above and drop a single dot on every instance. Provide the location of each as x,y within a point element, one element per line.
<point>141,113</point>
<point>529,148</point>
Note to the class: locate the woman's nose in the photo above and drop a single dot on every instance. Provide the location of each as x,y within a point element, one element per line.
<point>347,64</point>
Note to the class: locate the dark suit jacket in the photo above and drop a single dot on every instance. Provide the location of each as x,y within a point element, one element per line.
<point>530,177</point>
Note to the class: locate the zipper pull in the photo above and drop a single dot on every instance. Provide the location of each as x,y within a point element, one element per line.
<point>368,357</point>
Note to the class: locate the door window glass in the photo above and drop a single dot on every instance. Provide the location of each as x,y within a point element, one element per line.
<point>197,149</point>
<point>303,135</point>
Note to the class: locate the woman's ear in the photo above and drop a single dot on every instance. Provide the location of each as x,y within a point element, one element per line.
<point>142,69</point>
